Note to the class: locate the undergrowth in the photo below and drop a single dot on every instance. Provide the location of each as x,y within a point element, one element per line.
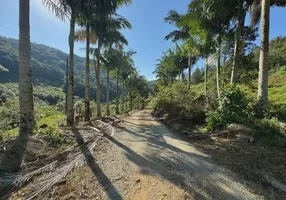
<point>236,106</point>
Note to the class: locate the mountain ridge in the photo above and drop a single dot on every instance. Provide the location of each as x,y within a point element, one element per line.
<point>48,67</point>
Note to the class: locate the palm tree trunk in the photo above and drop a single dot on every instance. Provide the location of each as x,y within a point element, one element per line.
<point>206,82</point>
<point>98,92</point>
<point>206,77</point>
<point>122,104</point>
<point>262,103</point>
<point>126,94</point>
<point>218,67</point>
<point>70,106</point>
<point>236,51</point>
<point>117,88</point>
<point>95,69</point>
<point>87,90</point>
<point>67,84</point>
<point>189,70</point>
<point>130,101</point>
<point>107,92</point>
<point>26,101</point>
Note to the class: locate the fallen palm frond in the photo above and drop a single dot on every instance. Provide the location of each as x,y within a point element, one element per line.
<point>112,120</point>
<point>105,127</point>
<point>47,181</point>
<point>44,175</point>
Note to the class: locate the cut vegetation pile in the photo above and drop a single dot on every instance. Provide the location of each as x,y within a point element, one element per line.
<point>43,163</point>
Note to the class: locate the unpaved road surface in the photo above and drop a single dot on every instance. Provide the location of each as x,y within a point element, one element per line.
<point>148,161</point>
<point>144,160</point>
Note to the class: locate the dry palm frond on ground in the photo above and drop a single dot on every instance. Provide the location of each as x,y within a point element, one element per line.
<point>49,171</point>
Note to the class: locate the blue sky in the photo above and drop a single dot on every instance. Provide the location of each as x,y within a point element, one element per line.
<point>146,37</point>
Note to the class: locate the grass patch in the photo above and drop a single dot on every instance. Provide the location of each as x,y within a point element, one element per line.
<point>271,132</point>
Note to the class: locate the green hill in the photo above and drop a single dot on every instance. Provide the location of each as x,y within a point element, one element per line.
<point>48,67</point>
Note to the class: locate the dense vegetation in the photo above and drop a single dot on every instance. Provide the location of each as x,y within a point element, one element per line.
<point>233,87</point>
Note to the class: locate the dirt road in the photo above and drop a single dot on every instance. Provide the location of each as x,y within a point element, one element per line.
<point>144,160</point>
<point>147,161</point>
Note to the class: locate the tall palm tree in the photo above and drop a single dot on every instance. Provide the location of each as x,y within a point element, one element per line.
<point>261,10</point>
<point>68,9</point>
<point>240,9</point>
<point>123,67</point>
<point>87,89</point>
<point>181,34</point>
<point>83,35</point>
<point>264,57</point>
<point>126,71</point>
<point>209,19</point>
<point>26,101</point>
<point>84,21</point>
<point>112,58</point>
<point>101,26</point>
<point>114,37</point>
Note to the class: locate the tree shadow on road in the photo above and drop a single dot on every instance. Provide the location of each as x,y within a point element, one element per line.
<point>174,169</point>
<point>97,171</point>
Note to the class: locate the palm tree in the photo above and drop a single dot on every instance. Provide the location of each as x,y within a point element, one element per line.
<point>26,101</point>
<point>83,35</point>
<point>101,24</point>
<point>182,33</point>
<point>169,67</point>
<point>112,59</point>
<point>239,11</point>
<point>261,10</point>
<point>87,89</point>
<point>137,87</point>
<point>211,22</point>
<point>126,70</point>
<point>192,46</point>
<point>87,62</point>
<point>68,9</point>
<point>113,36</point>
<point>264,57</point>
<point>123,67</point>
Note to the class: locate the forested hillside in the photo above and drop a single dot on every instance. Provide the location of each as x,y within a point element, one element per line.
<point>48,67</point>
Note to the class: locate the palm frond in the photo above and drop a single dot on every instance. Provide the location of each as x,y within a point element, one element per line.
<point>173,17</point>
<point>59,7</point>
<point>80,36</point>
<point>177,35</point>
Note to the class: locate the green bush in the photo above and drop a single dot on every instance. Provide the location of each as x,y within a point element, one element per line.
<point>177,101</point>
<point>9,115</point>
<point>44,114</point>
<point>233,108</point>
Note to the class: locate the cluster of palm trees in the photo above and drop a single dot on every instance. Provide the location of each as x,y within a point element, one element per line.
<point>99,26</point>
<point>208,28</point>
